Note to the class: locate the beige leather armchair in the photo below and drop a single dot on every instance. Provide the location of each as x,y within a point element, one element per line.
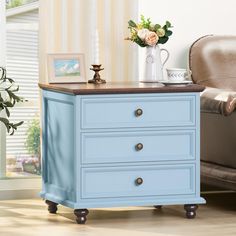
<point>212,60</point>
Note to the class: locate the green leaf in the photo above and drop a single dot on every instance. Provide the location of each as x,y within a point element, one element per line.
<point>10,80</point>
<point>7,112</point>
<point>4,120</point>
<point>33,137</point>
<point>142,18</point>
<point>132,24</point>
<point>8,99</point>
<point>18,124</point>
<point>146,23</point>
<point>168,33</point>
<point>168,24</point>
<point>13,131</point>
<point>8,104</point>
<point>163,40</point>
<point>140,42</point>
<point>16,89</point>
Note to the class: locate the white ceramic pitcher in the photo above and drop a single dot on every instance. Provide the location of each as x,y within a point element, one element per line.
<point>153,64</point>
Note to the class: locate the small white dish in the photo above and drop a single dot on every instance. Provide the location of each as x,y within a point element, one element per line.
<point>168,82</point>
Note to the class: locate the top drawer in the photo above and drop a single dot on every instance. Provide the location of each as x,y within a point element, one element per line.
<point>134,111</point>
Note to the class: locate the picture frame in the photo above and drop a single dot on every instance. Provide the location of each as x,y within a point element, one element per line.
<point>66,68</point>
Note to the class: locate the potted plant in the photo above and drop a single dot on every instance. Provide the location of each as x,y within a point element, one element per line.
<point>33,165</point>
<point>8,100</point>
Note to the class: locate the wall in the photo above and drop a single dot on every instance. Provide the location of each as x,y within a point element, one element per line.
<point>191,19</point>
<point>69,25</point>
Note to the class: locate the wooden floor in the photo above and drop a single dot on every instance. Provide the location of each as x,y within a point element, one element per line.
<point>30,217</point>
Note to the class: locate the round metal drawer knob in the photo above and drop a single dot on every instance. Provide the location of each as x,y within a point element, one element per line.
<point>139,181</point>
<point>139,146</point>
<point>138,112</point>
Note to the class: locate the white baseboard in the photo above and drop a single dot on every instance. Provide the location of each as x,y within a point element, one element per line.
<point>19,188</point>
<point>19,194</point>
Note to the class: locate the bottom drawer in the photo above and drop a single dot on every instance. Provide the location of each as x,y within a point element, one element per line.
<point>138,181</point>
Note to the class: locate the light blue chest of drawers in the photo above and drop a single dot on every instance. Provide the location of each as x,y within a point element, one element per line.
<point>111,146</point>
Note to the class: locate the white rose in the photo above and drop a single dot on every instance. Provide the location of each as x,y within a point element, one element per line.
<point>142,33</point>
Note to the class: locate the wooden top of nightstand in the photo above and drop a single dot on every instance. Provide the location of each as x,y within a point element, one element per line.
<point>120,88</point>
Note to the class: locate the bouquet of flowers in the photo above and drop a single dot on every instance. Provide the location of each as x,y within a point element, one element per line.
<point>147,34</point>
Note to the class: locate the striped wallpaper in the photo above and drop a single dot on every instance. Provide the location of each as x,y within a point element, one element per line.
<point>68,26</point>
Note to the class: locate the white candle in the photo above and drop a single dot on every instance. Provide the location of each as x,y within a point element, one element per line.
<point>96,60</point>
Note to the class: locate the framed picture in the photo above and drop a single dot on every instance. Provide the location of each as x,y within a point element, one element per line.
<point>66,68</point>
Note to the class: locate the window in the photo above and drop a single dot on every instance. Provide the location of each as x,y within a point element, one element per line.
<point>22,151</point>
<point>2,63</point>
<point>17,3</point>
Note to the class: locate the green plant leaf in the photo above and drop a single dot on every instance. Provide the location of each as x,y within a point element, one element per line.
<point>146,23</point>
<point>163,40</point>
<point>9,104</point>
<point>140,42</point>
<point>33,137</point>
<point>4,120</point>
<point>132,24</point>
<point>18,124</point>
<point>16,89</point>
<point>6,123</point>
<point>10,80</point>
<point>8,99</point>
<point>168,33</point>
<point>168,24</point>
<point>7,112</point>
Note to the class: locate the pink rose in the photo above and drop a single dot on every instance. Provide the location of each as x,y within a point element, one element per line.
<point>151,38</point>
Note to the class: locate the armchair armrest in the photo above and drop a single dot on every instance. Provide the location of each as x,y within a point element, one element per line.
<point>218,101</point>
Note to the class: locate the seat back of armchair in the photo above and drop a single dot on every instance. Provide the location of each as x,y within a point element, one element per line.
<point>212,60</point>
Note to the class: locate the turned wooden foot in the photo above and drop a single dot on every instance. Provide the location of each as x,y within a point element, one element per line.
<point>81,215</point>
<point>158,207</point>
<point>52,207</point>
<point>190,210</point>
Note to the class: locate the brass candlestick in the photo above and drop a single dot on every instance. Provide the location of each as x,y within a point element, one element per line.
<point>97,78</point>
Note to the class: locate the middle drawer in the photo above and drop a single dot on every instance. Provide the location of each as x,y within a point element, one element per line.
<point>118,147</point>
